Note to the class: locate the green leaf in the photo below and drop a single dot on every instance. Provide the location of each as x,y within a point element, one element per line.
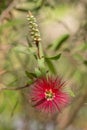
<point>54,57</point>
<point>49,46</point>
<point>42,66</point>
<point>50,65</point>
<point>71,93</point>
<point>25,50</point>
<point>14,107</point>
<point>41,62</point>
<point>37,72</point>
<point>30,75</point>
<point>85,62</point>
<point>58,43</point>
<point>22,9</point>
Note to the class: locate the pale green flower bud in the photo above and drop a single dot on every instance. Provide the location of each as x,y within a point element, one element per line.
<point>33,28</point>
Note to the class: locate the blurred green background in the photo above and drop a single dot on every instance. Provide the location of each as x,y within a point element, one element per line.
<point>63,27</point>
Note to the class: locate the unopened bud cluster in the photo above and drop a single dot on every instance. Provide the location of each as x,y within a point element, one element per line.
<point>34,32</point>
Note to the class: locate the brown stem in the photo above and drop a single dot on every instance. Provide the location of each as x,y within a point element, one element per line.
<point>17,88</point>
<point>38,52</point>
<point>38,49</point>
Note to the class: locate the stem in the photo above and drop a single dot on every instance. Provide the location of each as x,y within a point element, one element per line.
<point>38,52</point>
<point>17,88</point>
<point>38,48</point>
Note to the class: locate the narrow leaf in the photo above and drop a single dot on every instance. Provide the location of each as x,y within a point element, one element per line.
<point>22,9</point>
<point>42,66</point>
<point>25,50</point>
<point>14,107</point>
<point>58,43</point>
<point>41,62</point>
<point>54,57</point>
<point>71,93</point>
<point>50,65</point>
<point>85,62</point>
<point>37,72</point>
<point>30,75</point>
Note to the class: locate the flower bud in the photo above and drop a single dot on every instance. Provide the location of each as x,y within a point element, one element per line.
<point>33,28</point>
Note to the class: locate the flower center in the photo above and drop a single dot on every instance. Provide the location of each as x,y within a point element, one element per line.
<point>49,95</point>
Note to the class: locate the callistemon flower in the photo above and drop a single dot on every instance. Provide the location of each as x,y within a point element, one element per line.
<point>47,94</point>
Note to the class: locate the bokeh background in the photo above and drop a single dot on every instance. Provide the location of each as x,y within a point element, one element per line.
<point>63,27</point>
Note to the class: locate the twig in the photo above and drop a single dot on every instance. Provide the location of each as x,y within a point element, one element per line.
<point>18,88</point>
<point>15,88</point>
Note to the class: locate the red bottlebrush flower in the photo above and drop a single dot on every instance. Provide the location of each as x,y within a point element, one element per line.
<point>47,94</point>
